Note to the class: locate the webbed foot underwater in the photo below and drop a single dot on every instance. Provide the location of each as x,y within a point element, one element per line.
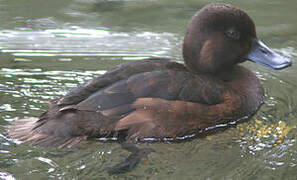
<point>162,98</point>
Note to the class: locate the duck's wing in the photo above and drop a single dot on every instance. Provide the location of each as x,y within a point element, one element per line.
<point>120,72</point>
<point>171,104</point>
<point>164,84</point>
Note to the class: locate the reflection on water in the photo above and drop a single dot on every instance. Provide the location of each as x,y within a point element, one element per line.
<point>7,176</point>
<point>86,42</point>
<point>45,52</point>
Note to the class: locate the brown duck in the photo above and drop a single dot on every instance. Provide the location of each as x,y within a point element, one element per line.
<point>161,98</point>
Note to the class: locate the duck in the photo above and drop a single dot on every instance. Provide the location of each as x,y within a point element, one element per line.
<point>158,98</point>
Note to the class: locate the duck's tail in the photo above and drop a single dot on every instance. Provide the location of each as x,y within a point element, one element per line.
<point>27,131</point>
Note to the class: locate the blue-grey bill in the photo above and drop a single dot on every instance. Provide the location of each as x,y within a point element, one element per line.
<point>263,55</point>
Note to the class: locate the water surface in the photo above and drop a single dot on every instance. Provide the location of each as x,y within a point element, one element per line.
<point>49,47</point>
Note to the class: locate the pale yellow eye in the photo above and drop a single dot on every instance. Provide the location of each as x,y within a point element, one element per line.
<point>233,34</point>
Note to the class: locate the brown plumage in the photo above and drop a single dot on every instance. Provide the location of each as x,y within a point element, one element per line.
<point>160,98</point>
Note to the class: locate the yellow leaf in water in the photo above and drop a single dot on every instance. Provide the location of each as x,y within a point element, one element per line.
<point>209,138</point>
<point>238,126</point>
<point>279,141</point>
<point>258,121</point>
<point>286,130</point>
<point>282,124</point>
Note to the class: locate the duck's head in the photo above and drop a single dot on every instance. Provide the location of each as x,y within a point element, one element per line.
<point>220,36</point>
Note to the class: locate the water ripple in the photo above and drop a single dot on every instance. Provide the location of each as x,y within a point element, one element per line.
<point>6,176</point>
<point>77,41</point>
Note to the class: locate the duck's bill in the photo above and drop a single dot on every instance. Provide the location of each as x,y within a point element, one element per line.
<point>263,55</point>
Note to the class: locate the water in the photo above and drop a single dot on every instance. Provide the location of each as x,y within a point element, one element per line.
<point>48,47</point>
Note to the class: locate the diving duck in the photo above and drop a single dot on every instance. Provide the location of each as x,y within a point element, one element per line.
<point>157,98</point>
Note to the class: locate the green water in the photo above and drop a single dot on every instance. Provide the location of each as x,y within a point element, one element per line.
<point>49,47</point>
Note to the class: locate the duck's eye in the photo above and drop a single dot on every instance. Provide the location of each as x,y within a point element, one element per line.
<point>233,34</point>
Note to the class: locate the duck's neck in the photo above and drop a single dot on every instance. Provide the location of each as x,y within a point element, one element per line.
<point>224,74</point>
<point>245,83</point>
